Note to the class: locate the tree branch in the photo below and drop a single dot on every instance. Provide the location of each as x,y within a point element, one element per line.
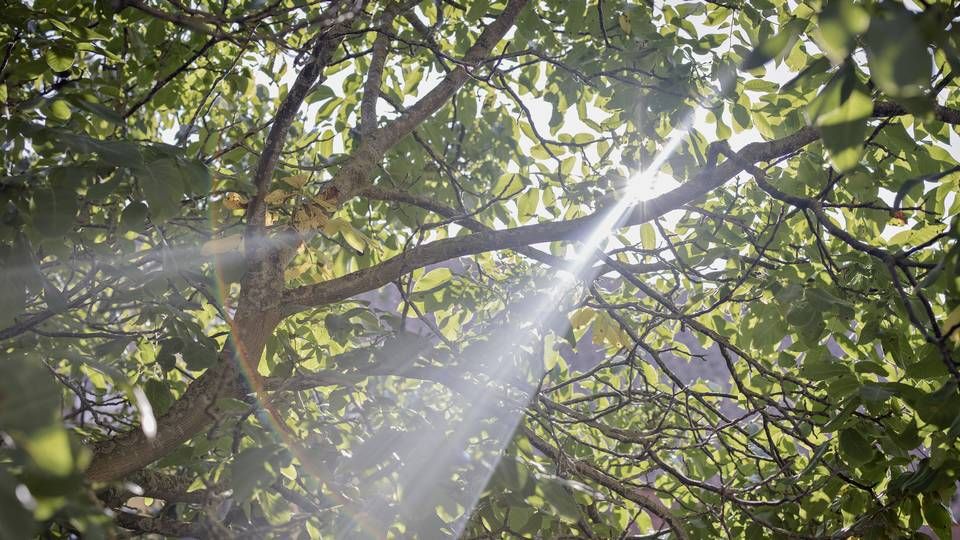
<point>586,470</point>
<point>172,75</point>
<point>706,180</point>
<point>165,527</point>
<point>353,175</point>
<point>371,87</point>
<point>301,298</point>
<point>197,407</point>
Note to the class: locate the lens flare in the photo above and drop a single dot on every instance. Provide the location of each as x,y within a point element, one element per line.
<point>452,468</point>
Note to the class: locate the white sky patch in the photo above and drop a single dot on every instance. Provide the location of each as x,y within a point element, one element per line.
<point>147,421</point>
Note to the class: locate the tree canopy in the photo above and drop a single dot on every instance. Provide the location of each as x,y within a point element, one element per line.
<point>465,268</point>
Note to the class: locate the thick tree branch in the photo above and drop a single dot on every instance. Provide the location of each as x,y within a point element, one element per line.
<point>378,57</point>
<point>518,238</point>
<point>354,174</point>
<point>286,114</point>
<point>376,276</point>
<point>168,487</point>
<point>941,113</point>
<point>438,96</point>
<point>197,407</point>
<point>256,318</point>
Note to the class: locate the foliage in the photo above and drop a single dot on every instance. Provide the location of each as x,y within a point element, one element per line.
<point>200,199</point>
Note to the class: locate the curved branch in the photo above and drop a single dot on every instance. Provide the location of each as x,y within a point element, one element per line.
<point>197,408</point>
<point>586,470</point>
<point>376,276</point>
<point>519,238</point>
<point>353,175</point>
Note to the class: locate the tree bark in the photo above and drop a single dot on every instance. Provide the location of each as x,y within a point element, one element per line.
<point>258,313</point>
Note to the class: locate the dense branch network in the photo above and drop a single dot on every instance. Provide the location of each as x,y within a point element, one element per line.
<point>647,445</point>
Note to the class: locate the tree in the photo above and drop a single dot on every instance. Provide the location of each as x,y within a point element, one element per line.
<point>201,199</point>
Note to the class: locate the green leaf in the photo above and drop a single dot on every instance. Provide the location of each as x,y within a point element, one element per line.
<point>900,66</point>
<point>875,393</point>
<point>50,450</point>
<point>477,9</point>
<point>519,517</point>
<point>509,474</point>
<point>815,68</point>
<point>59,57</point>
<point>13,297</point>
<point>648,237</point>
<point>937,515</point>
<point>855,448</point>
<point>97,109</point>
<point>134,217</point>
<point>54,211</point>
<point>940,407</point>
<point>508,185</point>
<point>15,520</point>
<point>159,395</point>
<point>838,26</point>
<point>527,204</point>
<point>915,237</point>
<point>249,472</point>
<point>777,46</point>
<point>199,356</point>
<point>555,493</point>
<point>29,398</point>
<point>801,314</point>
<point>433,279</point>
<point>820,365</point>
<point>162,185</point>
<point>843,100</point>
<point>197,178</point>
<point>60,109</point>
<point>841,111</point>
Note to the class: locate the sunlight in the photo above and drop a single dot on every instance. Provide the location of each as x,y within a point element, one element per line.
<point>649,182</point>
<point>648,185</point>
<point>540,316</point>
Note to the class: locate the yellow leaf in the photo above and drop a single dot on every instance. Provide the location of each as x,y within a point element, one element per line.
<point>309,218</point>
<point>581,317</point>
<point>296,181</point>
<point>953,319</point>
<point>331,227</point>
<point>218,246</point>
<point>276,196</point>
<point>296,271</point>
<point>290,472</point>
<point>325,204</point>
<point>353,237</point>
<point>234,201</point>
